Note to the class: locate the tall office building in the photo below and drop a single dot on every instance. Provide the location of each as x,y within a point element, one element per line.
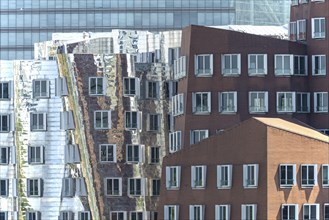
<point>24,22</point>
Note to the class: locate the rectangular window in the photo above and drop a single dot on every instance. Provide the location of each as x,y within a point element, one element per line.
<point>84,215</point>
<point>222,212</point>
<point>326,211</point>
<point>289,211</point>
<point>33,215</point>
<point>34,187</point>
<point>228,102</point>
<point>318,28</point>
<point>113,186</point>
<point>152,90</point>
<point>294,2</point>
<point>302,102</point>
<point>325,175</point>
<point>293,31</point>
<point>224,176</point>
<point>135,153</point>
<point>201,102</point>
<point>4,190</point>
<point>257,64</point>
<point>319,67</point>
<point>133,120</point>
<point>180,68</point>
<point>173,177</point>
<point>136,186</point>
<point>38,121</point>
<point>41,88</point>
<point>203,65</point>
<point>175,141</point>
<point>309,175</point>
<point>3,215</point>
<point>61,87</point>
<point>197,212</point>
<point>5,122</point>
<point>198,176</point>
<point>231,64</point>
<point>131,86</point>
<point>177,104</point>
<point>5,90</point>
<point>107,153</point>
<point>80,187</point>
<point>66,215</point>
<point>301,29</point>
<point>250,175</point>
<point>96,86</point>
<point>155,187</point>
<point>72,154</point>
<point>118,215</point>
<point>258,102</point>
<point>300,65</point>
<point>320,102</point>
<point>249,212</point>
<point>67,120</point>
<point>4,155</point>
<point>311,212</point>
<point>153,121</point>
<point>283,64</point>
<point>171,212</point>
<point>136,215</point>
<point>198,135</point>
<point>68,187</point>
<point>285,102</point>
<point>36,154</point>
<point>102,119</point>
<point>155,154</point>
<point>287,175</point>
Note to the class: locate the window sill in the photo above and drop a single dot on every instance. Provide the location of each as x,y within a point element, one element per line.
<point>173,188</point>
<point>231,74</point>
<point>250,187</point>
<point>259,113</point>
<point>224,187</point>
<point>199,188</point>
<point>201,113</point>
<point>308,186</point>
<point>203,75</point>
<point>228,113</point>
<point>286,186</point>
<point>257,74</point>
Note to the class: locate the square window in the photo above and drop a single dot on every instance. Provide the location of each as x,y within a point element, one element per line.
<point>287,175</point>
<point>96,86</point>
<point>198,177</point>
<point>33,215</point>
<point>309,175</point>
<point>133,120</point>
<point>319,67</point>
<point>107,153</point>
<point>5,122</point>
<point>249,212</point>
<point>283,64</point>
<point>301,29</point>
<point>68,187</point>
<point>258,102</point>
<point>179,68</point>
<point>4,190</point>
<point>203,65</point>
<point>155,155</point>
<point>5,90</point>
<point>155,187</point>
<point>293,31</point>
<point>257,64</point>
<point>228,102</point>
<point>224,176</point>
<point>113,186</point>
<point>320,102</point>
<point>38,121</point>
<point>222,212</point>
<point>41,88</point>
<point>136,215</point>
<point>173,177</point>
<point>198,135</point>
<point>171,212</point>
<point>302,102</point>
<point>325,175</point>
<point>197,212</point>
<point>66,215</point>
<point>136,186</point>
<point>4,155</point>
<point>3,215</point>
<point>175,142</point>
<point>177,104</point>
<point>102,119</point>
<point>289,211</point>
<point>201,102</point>
<point>152,90</point>
<point>285,102</point>
<point>131,87</point>
<point>318,28</point>
<point>300,65</point>
<point>34,187</point>
<point>118,215</point>
<point>154,121</point>
<point>311,211</point>
<point>84,215</point>
<point>250,175</point>
<point>231,64</point>
<point>36,154</point>
<point>134,153</point>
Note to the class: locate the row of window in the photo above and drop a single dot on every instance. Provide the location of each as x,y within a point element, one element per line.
<point>286,102</point>
<point>36,215</point>
<point>287,176</point>
<point>248,212</point>
<point>297,29</point>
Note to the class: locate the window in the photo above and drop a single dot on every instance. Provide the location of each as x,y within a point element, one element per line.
<point>180,68</point>
<point>319,65</point>
<point>3,215</point>
<point>311,212</point>
<point>136,186</point>
<point>228,102</point>
<point>33,215</point>
<point>177,104</point>
<point>61,87</point>
<point>68,187</point>
<point>118,215</point>
<point>303,1</point>
<point>309,175</point>
<point>287,175</point>
<point>257,64</point>
<point>249,212</point>
<point>198,135</point>
<point>153,122</point>
<point>72,154</point>
<point>131,86</point>
<point>133,120</point>
<point>293,31</point>
<point>5,90</point>
<point>289,212</point>
<point>294,2</point>
<point>175,142</point>
<point>318,28</point>
<point>302,102</point>
<point>258,102</point>
<point>326,211</point>
<point>41,88</point>
<point>224,176</point>
<point>203,65</point>
<point>107,153</point>
<point>173,177</point>
<point>231,64</point>
<point>66,215</point>
<point>201,102</point>
<point>250,175</point>
<point>171,88</point>
<point>96,86</point>
<point>4,155</point>
<point>102,119</point>
<point>113,186</point>
<point>153,215</point>
<point>84,215</point>
<point>197,212</point>
<point>36,154</point>
<point>284,64</point>
<point>4,187</point>
<point>171,212</point>
<point>67,120</point>
<point>301,29</point>
<point>155,154</point>
<point>4,122</point>
<point>285,102</point>
<point>198,176</point>
<point>222,212</point>
<point>152,90</point>
<point>155,187</point>
<point>300,65</point>
<point>34,187</point>
<point>38,121</point>
<point>325,175</point>
<point>320,102</point>
<point>135,153</point>
<point>136,215</point>
<point>80,187</point>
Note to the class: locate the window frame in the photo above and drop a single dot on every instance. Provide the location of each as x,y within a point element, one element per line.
<point>228,109</point>
<point>293,30</point>
<point>298,71</point>
<point>38,126</point>
<point>98,91</point>
<point>152,90</point>
<point>284,182</point>
<point>67,120</point>
<point>124,215</point>
<point>309,184</point>
<point>104,148</point>
<point>133,120</point>
<point>223,216</point>
<point>171,212</point>
<point>257,71</point>
<point>230,71</point>
<point>175,141</point>
<point>37,215</point>
<point>173,172</point>
<point>286,108</point>
<point>180,67</point>
<point>38,184</point>
<point>113,192</point>
<point>253,109</point>
<point>317,23</point>
<point>323,100</point>
<point>132,158</point>
<point>244,211</point>
<point>317,211</point>
<point>154,156</point>
<point>282,71</point>
<point>325,182</point>
<point>83,215</point>
<point>131,92</point>
<point>247,182</point>
<point>102,126</point>
<point>3,92</point>
<point>199,176</point>
<point>7,154</point>
<point>321,63</point>
<point>288,206</point>
<point>5,123</point>
<point>39,94</point>
<point>156,187</point>
<point>66,215</point>
<point>224,184</point>
<point>68,189</point>
<point>301,109</point>
<point>199,215</point>
<point>139,215</point>
<point>177,104</point>
<point>196,137</point>
<point>33,160</point>
<point>301,29</point>
<point>203,72</point>
<point>326,211</point>
<point>4,187</point>
<point>133,185</point>
<point>202,108</point>
<point>153,122</point>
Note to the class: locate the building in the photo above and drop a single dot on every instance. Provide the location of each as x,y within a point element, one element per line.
<point>25,22</point>
<point>262,168</point>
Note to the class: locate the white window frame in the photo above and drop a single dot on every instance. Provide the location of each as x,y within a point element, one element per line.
<point>317,24</point>
<point>293,31</point>
<point>132,187</point>
<point>256,105</point>
<point>99,87</point>
<point>223,212</point>
<point>39,91</point>
<point>4,155</point>
<point>325,175</point>
<point>131,151</point>
<point>309,182</point>
<point>133,120</point>
<point>198,135</point>
<point>41,125</point>
<point>301,29</point>
<point>68,189</point>
<point>5,123</point>
<point>250,175</point>
<point>291,214</point>
<point>33,215</point>
<point>307,212</point>
<point>202,71</point>
<point>66,215</point>
<point>171,212</point>
<point>177,104</point>
<point>286,182</point>
<point>228,108</point>
<point>254,68</point>
<point>152,89</point>
<point>34,150</point>
<point>38,184</point>
<point>199,105</point>
<point>283,70</point>
<point>299,98</point>
<point>67,120</point>
<point>198,176</point>
<point>4,187</point>
<point>326,211</point>
<point>249,210</point>
<point>173,175</point>
<point>113,191</point>
<point>117,217</point>
<point>131,86</point>
<point>101,125</point>
<point>84,215</point>
<point>319,61</point>
<point>105,153</point>
<point>231,69</point>
<point>197,212</point>
<point>5,90</point>
<point>321,103</point>
<point>288,105</point>
<point>180,68</point>
<point>153,122</point>
<point>175,141</point>
<point>224,176</point>
<point>300,68</point>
